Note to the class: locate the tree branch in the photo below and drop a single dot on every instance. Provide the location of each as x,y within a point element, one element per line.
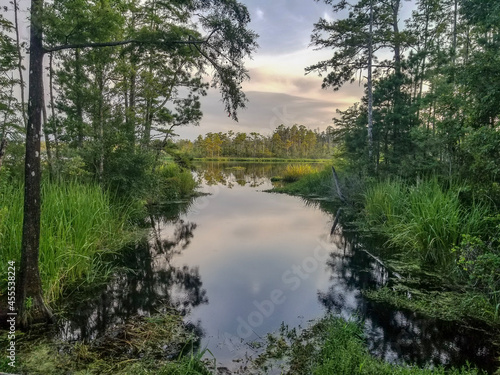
<point>117,43</point>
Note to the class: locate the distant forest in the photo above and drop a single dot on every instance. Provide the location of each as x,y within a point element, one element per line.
<point>295,141</point>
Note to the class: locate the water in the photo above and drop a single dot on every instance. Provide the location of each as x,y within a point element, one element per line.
<point>240,261</point>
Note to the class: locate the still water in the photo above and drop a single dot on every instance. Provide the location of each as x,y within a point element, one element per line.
<point>239,261</point>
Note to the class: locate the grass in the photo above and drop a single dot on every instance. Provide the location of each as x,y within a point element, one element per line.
<point>79,227</point>
<point>315,182</point>
<point>445,305</point>
<point>175,182</point>
<point>334,346</point>
<point>424,220</point>
<point>295,172</point>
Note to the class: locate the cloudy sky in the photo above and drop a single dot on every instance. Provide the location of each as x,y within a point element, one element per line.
<point>278,90</point>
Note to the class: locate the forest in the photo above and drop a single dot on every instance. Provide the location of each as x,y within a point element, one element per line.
<point>285,142</point>
<point>89,110</point>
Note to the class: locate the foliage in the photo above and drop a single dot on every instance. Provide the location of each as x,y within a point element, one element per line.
<point>285,142</point>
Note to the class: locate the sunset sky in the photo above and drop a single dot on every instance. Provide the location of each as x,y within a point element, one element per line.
<point>278,90</point>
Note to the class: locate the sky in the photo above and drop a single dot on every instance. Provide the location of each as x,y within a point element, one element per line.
<point>278,91</point>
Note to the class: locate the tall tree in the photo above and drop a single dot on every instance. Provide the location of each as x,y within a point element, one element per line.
<point>227,43</point>
<point>354,41</point>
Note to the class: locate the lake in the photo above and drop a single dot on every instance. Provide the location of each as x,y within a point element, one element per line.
<point>239,261</point>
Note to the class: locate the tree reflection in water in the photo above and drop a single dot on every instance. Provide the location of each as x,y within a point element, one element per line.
<point>147,284</point>
<point>396,334</point>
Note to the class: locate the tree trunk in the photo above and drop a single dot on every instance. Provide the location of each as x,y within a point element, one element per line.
<point>29,286</point>
<point>3,146</point>
<point>48,146</point>
<point>53,108</point>
<point>20,63</point>
<point>370,87</point>
<point>78,104</point>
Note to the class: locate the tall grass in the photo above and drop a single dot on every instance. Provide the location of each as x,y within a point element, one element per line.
<point>424,220</point>
<point>295,172</point>
<point>175,182</point>
<point>316,182</point>
<point>79,225</point>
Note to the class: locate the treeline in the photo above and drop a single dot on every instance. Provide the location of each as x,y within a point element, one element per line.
<point>295,141</point>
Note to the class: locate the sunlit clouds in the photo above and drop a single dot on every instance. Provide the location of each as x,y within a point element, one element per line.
<point>279,92</point>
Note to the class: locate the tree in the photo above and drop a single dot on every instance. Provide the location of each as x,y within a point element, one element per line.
<point>227,43</point>
<point>354,41</point>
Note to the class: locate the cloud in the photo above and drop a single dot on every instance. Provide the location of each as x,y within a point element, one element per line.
<point>265,111</point>
<point>260,14</point>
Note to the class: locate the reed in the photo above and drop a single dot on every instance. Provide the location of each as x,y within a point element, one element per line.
<point>424,220</point>
<point>295,172</point>
<point>79,225</point>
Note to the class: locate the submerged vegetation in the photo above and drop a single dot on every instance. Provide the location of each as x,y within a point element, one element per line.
<point>160,344</point>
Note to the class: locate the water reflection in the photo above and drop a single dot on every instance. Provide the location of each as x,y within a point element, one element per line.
<point>151,284</point>
<point>396,335</point>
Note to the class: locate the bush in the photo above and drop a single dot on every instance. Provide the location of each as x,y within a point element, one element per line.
<point>175,182</point>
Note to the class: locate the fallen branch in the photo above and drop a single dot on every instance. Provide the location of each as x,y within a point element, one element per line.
<point>336,221</point>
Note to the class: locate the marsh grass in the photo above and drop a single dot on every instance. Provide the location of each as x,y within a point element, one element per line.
<point>80,226</point>
<point>295,172</point>
<point>424,220</point>
<point>317,182</point>
<point>175,182</point>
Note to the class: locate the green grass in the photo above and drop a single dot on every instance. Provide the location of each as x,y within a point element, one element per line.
<point>334,346</point>
<point>318,182</point>
<point>79,226</point>
<point>423,220</point>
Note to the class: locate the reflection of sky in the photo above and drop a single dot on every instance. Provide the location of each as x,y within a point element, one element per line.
<point>245,241</point>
